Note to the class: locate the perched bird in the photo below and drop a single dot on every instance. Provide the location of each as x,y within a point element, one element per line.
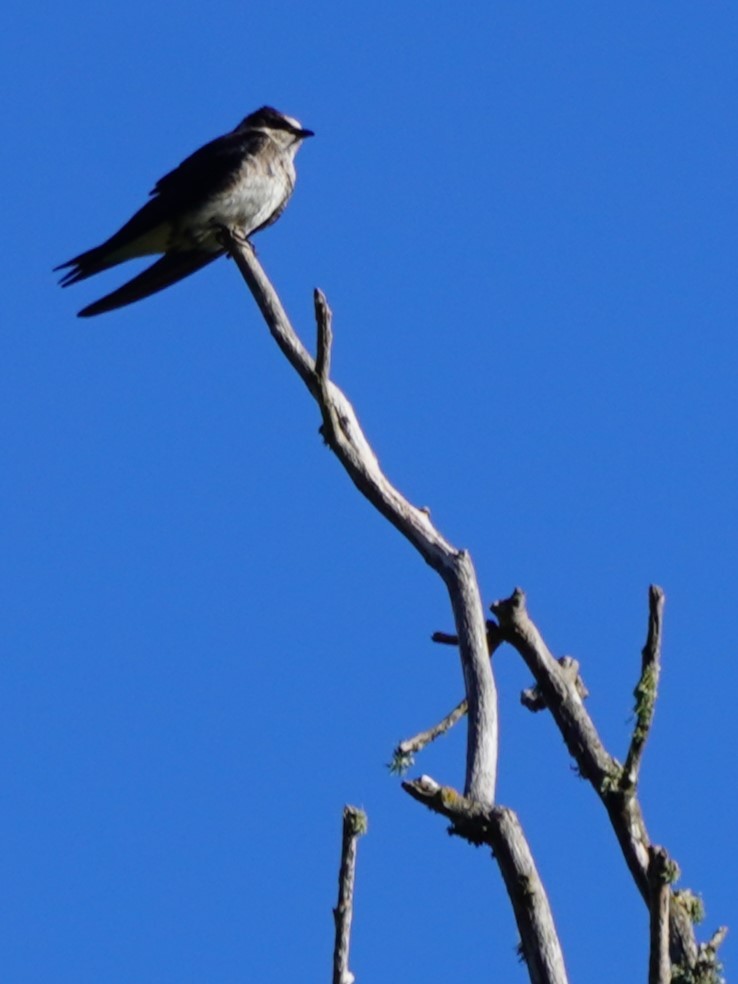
<point>241,181</point>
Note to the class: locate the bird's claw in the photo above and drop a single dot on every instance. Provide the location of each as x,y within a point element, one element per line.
<point>226,235</point>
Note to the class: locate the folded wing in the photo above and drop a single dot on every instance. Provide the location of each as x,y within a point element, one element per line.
<point>168,270</point>
<point>154,228</point>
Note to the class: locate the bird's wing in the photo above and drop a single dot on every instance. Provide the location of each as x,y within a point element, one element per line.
<point>208,171</point>
<point>146,233</point>
<point>205,173</point>
<point>168,270</point>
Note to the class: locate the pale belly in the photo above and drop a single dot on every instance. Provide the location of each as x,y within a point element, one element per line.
<point>246,206</point>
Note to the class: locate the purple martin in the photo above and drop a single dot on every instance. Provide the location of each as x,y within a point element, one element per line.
<point>241,181</point>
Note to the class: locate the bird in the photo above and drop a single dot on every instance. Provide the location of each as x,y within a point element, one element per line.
<point>240,181</point>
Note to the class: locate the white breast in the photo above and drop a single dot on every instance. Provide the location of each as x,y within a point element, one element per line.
<point>250,201</point>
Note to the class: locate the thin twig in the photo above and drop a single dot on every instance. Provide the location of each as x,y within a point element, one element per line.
<point>405,751</point>
<point>494,637</point>
<point>324,319</point>
<point>646,689</point>
<point>717,938</point>
<point>708,963</point>
<point>404,754</point>
<point>354,826</point>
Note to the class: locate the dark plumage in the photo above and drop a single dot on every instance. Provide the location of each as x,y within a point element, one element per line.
<point>242,180</point>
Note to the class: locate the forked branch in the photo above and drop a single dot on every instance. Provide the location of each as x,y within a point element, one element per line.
<point>614,784</point>
<point>345,437</point>
<point>343,434</point>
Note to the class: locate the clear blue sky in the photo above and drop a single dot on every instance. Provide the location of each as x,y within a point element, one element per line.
<point>524,217</point>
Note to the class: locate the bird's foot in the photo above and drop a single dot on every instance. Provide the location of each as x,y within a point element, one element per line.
<point>227,235</point>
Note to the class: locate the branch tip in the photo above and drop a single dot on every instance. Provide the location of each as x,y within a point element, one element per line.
<point>404,753</point>
<point>354,826</point>
<point>324,320</point>
<point>646,690</point>
<point>506,608</point>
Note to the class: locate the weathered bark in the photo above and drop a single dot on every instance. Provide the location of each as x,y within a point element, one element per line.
<point>615,787</point>
<point>354,827</point>
<point>346,439</point>
<point>558,687</point>
<point>659,871</point>
<point>500,829</point>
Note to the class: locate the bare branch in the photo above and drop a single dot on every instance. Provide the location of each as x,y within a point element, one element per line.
<point>595,764</point>
<point>354,826</point>
<point>533,699</point>
<point>345,437</point>
<point>660,874</point>
<point>494,637</point>
<point>324,320</point>
<point>499,828</point>
<point>405,752</point>
<point>557,687</point>
<point>646,689</point>
<point>557,683</point>
<point>445,638</point>
<point>403,755</point>
<point>708,965</point>
<point>716,940</point>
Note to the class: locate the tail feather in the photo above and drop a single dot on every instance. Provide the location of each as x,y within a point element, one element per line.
<point>119,248</point>
<point>86,265</point>
<point>168,270</point>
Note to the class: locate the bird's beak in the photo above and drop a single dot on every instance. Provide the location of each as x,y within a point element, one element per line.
<point>303,134</point>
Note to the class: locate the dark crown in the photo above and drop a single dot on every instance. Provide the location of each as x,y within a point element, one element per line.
<point>267,116</point>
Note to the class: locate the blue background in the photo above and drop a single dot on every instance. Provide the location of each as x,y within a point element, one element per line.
<point>524,217</point>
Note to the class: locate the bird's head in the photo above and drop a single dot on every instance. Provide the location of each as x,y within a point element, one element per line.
<point>284,130</point>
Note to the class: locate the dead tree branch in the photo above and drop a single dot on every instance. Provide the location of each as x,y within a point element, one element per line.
<point>646,689</point>
<point>558,687</point>
<point>344,436</point>
<point>533,699</point>
<point>354,827</point>
<point>660,874</point>
<point>559,691</point>
<point>404,753</point>
<point>500,829</point>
